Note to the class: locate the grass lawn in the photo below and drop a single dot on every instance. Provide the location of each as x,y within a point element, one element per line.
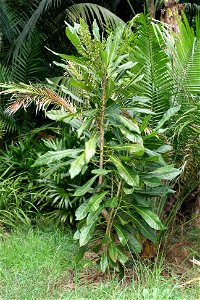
<point>38,263</point>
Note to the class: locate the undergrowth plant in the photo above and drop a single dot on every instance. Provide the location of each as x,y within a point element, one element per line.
<point>120,157</point>
<point>117,169</point>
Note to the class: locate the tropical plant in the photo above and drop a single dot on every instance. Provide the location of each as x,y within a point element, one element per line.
<point>119,158</point>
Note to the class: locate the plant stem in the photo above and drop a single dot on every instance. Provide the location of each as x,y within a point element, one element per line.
<point>102,117</point>
<point>110,217</point>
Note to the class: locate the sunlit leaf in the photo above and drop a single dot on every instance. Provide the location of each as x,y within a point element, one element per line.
<point>85,188</point>
<point>128,177</point>
<point>54,156</point>
<point>77,165</point>
<point>150,217</point>
<point>90,147</point>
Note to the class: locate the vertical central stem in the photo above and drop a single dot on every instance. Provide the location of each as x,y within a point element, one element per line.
<point>102,117</point>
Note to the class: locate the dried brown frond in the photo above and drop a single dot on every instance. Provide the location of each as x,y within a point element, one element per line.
<point>24,95</point>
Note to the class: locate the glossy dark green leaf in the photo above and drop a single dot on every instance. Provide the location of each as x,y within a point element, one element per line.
<point>167,172</point>
<point>136,149</point>
<point>77,165</point>
<point>86,124</point>
<point>128,124</point>
<point>82,211</point>
<point>150,217</point>
<point>100,171</point>
<point>112,202</point>
<point>80,253</point>
<point>86,187</point>
<point>86,233</point>
<point>129,178</point>
<point>135,138</point>
<point>145,229</point>
<point>121,234</point>
<point>122,256</point>
<point>134,244</point>
<point>90,147</point>
<point>95,200</point>
<point>113,253</point>
<point>54,156</point>
<point>104,262</point>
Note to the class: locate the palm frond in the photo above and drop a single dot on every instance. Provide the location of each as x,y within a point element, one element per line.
<point>28,65</point>
<point>43,6</point>
<point>23,95</point>
<point>89,11</point>
<point>156,84</point>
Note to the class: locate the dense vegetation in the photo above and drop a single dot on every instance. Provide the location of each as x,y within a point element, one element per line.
<point>117,125</point>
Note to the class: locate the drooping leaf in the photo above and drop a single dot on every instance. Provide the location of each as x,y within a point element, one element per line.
<point>90,147</point>
<point>86,124</point>
<point>136,149</point>
<point>86,233</point>
<point>104,262</point>
<point>156,191</point>
<point>145,229</point>
<point>112,202</point>
<point>93,216</point>
<point>122,256</point>
<point>167,172</point>
<point>77,165</point>
<point>80,253</point>
<point>135,245</point>
<point>122,235</point>
<point>135,138</point>
<point>95,200</point>
<point>82,211</point>
<point>85,188</point>
<point>53,156</point>
<point>172,111</point>
<point>129,124</point>
<point>129,178</point>
<point>113,253</point>
<point>100,171</point>
<point>150,217</point>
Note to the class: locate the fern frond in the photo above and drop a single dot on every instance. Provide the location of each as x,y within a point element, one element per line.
<point>155,65</point>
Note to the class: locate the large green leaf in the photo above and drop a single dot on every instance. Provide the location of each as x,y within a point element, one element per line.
<point>134,244</point>
<point>122,256</point>
<point>90,147</point>
<point>135,138</point>
<point>130,178</point>
<point>95,200</point>
<point>145,229</point>
<point>54,156</point>
<point>77,165</point>
<point>86,187</point>
<point>129,124</point>
<point>113,253</point>
<point>136,149</point>
<point>93,216</point>
<point>156,191</point>
<point>112,202</point>
<point>122,235</point>
<point>86,233</point>
<point>167,172</point>
<point>172,111</point>
<point>104,262</point>
<point>82,211</point>
<point>86,124</point>
<point>150,217</point>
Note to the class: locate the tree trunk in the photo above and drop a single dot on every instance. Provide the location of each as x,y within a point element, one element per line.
<point>151,8</point>
<point>171,14</point>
